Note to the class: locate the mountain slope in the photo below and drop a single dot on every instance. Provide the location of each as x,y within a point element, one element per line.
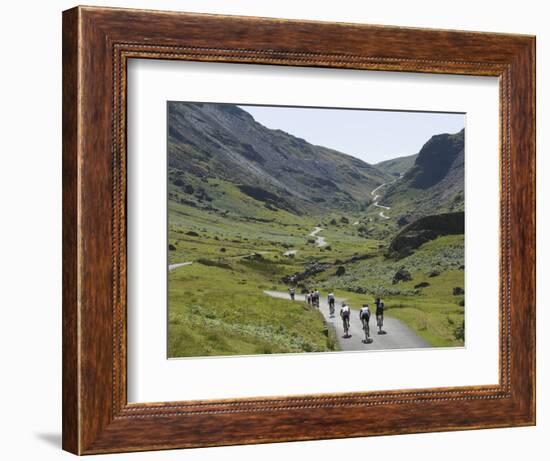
<point>397,166</point>
<point>219,150</point>
<point>435,183</point>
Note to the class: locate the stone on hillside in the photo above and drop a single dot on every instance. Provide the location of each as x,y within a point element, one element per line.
<point>434,274</point>
<point>457,291</point>
<point>341,270</point>
<point>423,230</point>
<point>171,247</point>
<point>422,285</point>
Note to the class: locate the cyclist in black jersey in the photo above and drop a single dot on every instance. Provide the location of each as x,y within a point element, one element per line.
<point>331,301</point>
<point>379,315</point>
<point>364,316</point>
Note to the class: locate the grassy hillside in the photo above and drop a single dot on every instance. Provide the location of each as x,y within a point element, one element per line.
<point>233,317</point>
<point>397,166</point>
<point>245,258</point>
<point>426,303</point>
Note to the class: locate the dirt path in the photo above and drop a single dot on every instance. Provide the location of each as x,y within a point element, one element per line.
<point>398,335</point>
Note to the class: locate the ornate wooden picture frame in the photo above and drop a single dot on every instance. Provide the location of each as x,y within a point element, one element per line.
<point>97,44</point>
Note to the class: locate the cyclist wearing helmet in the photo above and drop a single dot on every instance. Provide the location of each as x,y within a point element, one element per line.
<point>364,316</point>
<point>345,312</point>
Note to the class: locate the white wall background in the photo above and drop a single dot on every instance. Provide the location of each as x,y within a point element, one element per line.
<point>30,226</point>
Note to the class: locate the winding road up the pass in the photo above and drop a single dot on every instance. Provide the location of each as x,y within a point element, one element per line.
<point>399,336</point>
<point>376,198</point>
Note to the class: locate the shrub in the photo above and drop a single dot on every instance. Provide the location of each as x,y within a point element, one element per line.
<point>211,262</point>
<point>422,285</point>
<point>402,275</point>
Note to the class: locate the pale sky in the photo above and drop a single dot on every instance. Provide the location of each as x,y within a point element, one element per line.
<point>371,135</point>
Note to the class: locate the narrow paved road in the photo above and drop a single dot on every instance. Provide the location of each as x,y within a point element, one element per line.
<point>319,241</point>
<point>376,197</point>
<point>398,335</point>
<point>171,267</point>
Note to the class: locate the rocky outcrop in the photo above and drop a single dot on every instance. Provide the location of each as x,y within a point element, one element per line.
<point>435,183</point>
<point>423,230</point>
<point>435,159</point>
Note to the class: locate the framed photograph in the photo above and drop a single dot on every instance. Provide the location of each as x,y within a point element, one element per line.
<point>282,230</point>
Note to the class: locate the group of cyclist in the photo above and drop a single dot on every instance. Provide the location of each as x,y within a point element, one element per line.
<point>312,299</point>
<point>364,317</point>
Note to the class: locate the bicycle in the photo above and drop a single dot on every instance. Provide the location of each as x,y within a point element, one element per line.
<point>366,329</point>
<point>380,322</point>
<point>331,307</point>
<point>345,319</point>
